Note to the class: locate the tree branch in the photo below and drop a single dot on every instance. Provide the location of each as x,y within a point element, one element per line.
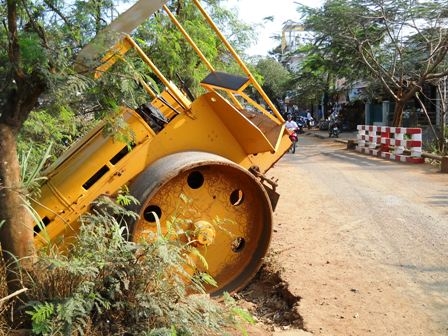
<point>17,292</point>
<point>13,41</point>
<point>422,105</point>
<point>58,12</point>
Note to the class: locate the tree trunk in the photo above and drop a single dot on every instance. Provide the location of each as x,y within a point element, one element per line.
<point>16,234</point>
<point>398,113</point>
<point>441,91</point>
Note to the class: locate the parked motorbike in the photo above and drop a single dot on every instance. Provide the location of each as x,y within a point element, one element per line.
<point>301,124</point>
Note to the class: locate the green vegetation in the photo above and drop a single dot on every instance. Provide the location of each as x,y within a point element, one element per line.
<point>105,285</point>
<point>275,78</point>
<point>396,46</point>
<point>45,100</point>
<point>108,285</point>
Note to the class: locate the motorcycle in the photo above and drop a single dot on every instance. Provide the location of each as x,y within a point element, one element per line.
<point>310,123</point>
<point>293,137</point>
<point>334,130</point>
<point>301,124</point>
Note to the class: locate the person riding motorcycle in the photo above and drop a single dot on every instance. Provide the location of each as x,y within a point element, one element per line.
<point>292,127</point>
<point>334,127</point>
<point>309,119</point>
<point>290,124</point>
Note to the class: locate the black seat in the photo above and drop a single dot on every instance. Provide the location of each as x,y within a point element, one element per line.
<point>225,80</point>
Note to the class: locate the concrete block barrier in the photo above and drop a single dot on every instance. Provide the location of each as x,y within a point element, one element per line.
<point>392,143</point>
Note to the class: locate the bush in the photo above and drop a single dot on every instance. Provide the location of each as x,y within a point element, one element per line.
<point>108,285</point>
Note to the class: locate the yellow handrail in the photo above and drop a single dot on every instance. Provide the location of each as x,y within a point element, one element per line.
<point>241,64</point>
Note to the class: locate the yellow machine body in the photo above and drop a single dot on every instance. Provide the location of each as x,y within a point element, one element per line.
<point>99,165</point>
<point>239,139</point>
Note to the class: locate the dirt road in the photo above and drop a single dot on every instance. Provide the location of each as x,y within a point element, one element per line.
<point>362,242</point>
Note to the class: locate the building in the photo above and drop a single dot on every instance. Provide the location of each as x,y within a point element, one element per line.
<point>293,36</point>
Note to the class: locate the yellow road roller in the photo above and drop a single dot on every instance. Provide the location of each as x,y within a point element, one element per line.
<point>203,160</point>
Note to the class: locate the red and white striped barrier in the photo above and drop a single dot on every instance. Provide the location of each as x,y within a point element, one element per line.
<point>391,142</point>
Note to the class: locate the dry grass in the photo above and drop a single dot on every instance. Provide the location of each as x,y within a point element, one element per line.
<point>5,303</point>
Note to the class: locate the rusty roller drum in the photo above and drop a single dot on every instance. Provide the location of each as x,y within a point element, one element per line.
<point>223,205</point>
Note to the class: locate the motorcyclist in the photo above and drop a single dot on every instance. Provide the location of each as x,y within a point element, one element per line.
<point>309,119</point>
<point>290,124</point>
<point>334,122</point>
<point>292,127</point>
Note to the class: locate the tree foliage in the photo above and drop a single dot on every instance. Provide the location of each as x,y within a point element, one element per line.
<point>39,42</point>
<point>49,35</point>
<point>276,78</point>
<point>400,43</point>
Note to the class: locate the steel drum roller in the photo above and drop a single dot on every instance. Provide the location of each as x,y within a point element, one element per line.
<point>224,208</point>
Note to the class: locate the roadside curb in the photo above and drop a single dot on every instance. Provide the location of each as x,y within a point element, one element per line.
<point>320,136</point>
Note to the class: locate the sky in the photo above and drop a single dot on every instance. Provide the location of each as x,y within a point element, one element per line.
<point>253,12</point>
